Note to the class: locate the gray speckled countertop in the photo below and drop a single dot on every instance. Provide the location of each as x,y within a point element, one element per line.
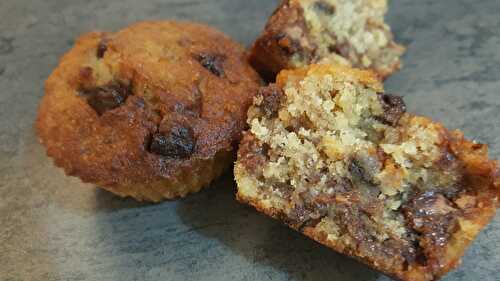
<point>54,227</point>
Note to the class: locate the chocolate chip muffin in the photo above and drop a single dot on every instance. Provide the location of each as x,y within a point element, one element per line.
<point>350,32</point>
<point>334,157</point>
<point>153,111</point>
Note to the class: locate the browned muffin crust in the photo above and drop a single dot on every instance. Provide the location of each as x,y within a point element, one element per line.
<point>152,111</point>
<point>331,155</point>
<point>301,32</point>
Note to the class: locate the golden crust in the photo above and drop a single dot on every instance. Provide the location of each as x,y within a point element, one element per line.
<point>185,181</point>
<point>293,37</point>
<point>178,74</point>
<point>474,192</point>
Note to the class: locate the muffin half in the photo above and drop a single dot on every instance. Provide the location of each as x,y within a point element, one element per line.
<point>153,111</point>
<point>331,155</point>
<point>350,32</point>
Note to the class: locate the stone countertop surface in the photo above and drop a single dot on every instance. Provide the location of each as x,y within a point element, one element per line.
<point>54,227</point>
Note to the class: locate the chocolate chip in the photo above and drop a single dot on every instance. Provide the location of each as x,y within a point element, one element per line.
<point>107,97</point>
<point>420,257</point>
<point>102,47</point>
<point>264,150</point>
<point>394,107</point>
<point>271,98</point>
<point>213,63</point>
<point>340,49</point>
<point>178,143</point>
<point>432,216</point>
<point>324,7</point>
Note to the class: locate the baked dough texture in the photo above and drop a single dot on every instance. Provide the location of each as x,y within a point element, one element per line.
<point>333,156</point>
<point>349,32</point>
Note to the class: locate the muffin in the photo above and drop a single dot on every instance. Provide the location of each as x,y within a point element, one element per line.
<point>350,32</point>
<point>153,111</point>
<point>334,157</point>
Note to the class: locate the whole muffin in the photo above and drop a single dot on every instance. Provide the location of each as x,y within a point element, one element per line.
<point>153,111</point>
<point>331,155</point>
<point>350,32</point>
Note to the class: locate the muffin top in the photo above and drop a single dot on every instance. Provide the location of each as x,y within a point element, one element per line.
<point>146,101</point>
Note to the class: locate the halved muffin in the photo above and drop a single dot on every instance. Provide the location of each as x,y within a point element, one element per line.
<point>350,32</point>
<point>331,155</point>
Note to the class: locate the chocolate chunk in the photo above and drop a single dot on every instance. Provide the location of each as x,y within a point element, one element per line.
<point>340,49</point>
<point>271,97</point>
<point>308,210</point>
<point>265,149</point>
<point>102,47</point>
<point>429,204</point>
<point>325,7</point>
<point>254,155</point>
<point>178,143</point>
<point>420,257</point>
<point>213,63</point>
<point>352,221</point>
<point>431,215</point>
<point>394,107</point>
<point>107,97</point>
